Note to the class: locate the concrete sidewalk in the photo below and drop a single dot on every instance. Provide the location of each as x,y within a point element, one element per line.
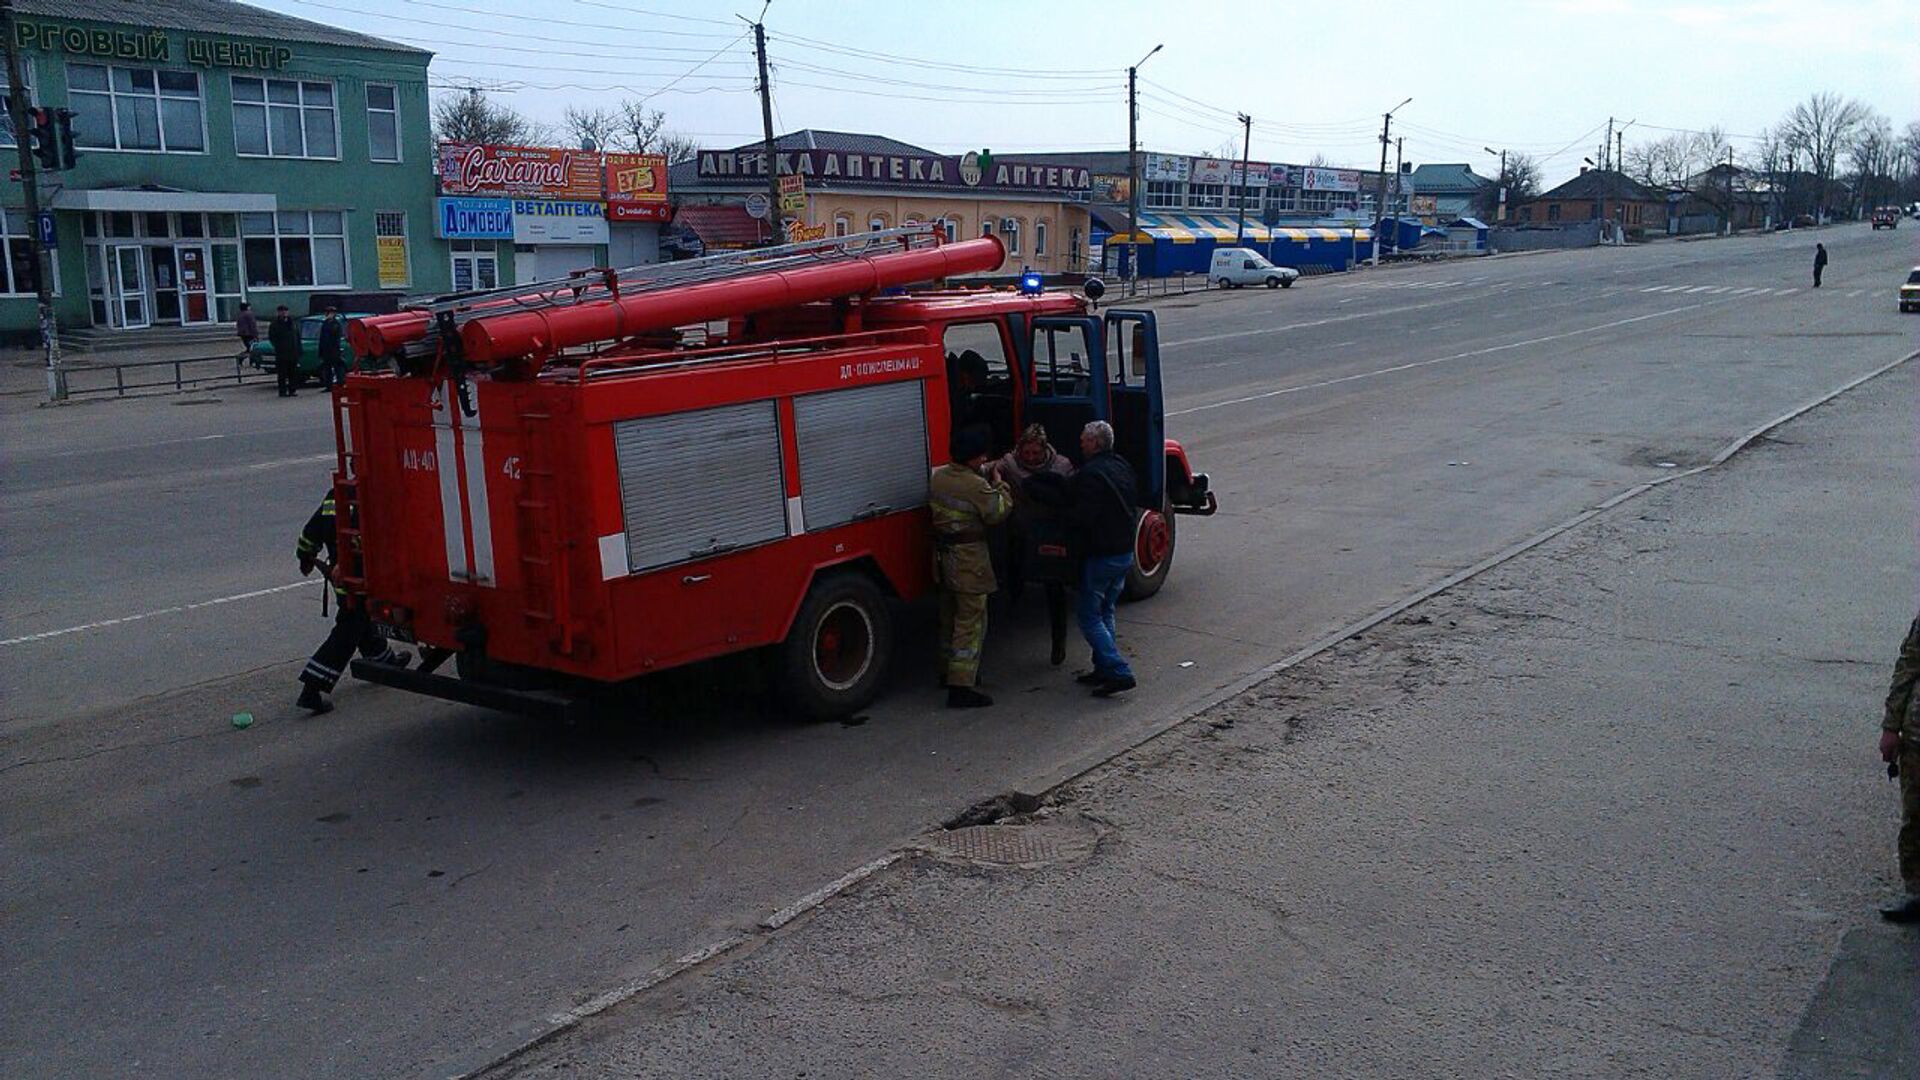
<point>1609,809</point>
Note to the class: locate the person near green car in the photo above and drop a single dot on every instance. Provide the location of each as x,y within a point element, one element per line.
<point>284,336</point>
<point>333,370</point>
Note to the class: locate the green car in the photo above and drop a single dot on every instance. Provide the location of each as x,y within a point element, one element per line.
<point>262,355</point>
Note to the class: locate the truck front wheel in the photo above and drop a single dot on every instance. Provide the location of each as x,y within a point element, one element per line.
<point>1153,539</point>
<point>837,652</point>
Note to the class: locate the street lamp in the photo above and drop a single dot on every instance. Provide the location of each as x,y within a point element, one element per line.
<point>1133,170</point>
<point>1380,199</point>
<point>1499,184</point>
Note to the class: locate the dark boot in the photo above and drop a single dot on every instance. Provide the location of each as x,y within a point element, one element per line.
<point>1059,654</point>
<point>312,700</point>
<point>1905,910</point>
<point>1118,684</point>
<point>1091,678</point>
<point>966,697</point>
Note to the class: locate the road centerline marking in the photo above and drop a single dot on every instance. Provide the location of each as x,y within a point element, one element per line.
<point>27,639</point>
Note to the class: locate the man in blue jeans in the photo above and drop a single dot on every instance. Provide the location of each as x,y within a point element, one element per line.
<point>1105,498</point>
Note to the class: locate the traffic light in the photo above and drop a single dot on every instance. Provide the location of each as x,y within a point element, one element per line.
<point>63,136</point>
<point>51,132</point>
<point>46,150</point>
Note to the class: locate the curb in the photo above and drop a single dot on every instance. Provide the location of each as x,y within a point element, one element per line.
<point>561,1023</point>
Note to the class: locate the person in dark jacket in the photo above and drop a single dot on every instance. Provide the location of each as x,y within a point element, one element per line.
<point>247,326</point>
<point>284,335</point>
<point>1037,548</point>
<point>352,627</point>
<point>333,369</point>
<point>1105,497</point>
<point>1819,262</point>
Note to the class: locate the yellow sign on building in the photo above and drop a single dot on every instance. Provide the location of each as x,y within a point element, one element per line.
<point>393,261</point>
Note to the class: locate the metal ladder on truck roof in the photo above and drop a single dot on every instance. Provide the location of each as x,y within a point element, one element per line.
<point>599,285</point>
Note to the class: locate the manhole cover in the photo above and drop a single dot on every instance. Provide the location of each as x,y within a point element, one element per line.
<point>1016,845</point>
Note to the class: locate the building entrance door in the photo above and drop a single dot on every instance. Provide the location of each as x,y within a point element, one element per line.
<point>195,304</point>
<point>129,286</point>
<point>166,284</point>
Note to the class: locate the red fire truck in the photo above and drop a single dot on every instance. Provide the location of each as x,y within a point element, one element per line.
<point>578,483</point>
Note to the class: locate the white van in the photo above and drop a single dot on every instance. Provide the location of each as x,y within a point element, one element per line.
<point>1234,267</point>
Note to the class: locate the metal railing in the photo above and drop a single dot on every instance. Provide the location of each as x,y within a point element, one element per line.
<point>130,379</point>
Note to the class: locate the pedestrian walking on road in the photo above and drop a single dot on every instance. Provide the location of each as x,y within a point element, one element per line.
<point>1037,542</point>
<point>1900,749</point>
<point>284,336</point>
<point>247,325</point>
<point>333,370</point>
<point>1105,498</point>
<point>1819,262</point>
<point>352,627</point>
<point>964,504</point>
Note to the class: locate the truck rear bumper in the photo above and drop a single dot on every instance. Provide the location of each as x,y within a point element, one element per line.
<point>542,704</point>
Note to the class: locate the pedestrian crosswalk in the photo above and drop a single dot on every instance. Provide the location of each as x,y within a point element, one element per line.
<point>1726,290</point>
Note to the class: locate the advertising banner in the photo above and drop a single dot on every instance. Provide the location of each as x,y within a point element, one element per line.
<point>532,171</point>
<point>636,187</point>
<point>556,221</point>
<point>1316,179</point>
<point>473,219</point>
<point>834,168</point>
<point>1165,167</point>
<point>1280,175</point>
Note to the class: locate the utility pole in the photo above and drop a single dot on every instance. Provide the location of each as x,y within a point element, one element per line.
<point>1380,192</point>
<point>1133,171</point>
<point>766,125</point>
<point>30,184</point>
<point>1246,155</point>
<point>1399,147</point>
<point>1606,148</point>
<point>1729,189</point>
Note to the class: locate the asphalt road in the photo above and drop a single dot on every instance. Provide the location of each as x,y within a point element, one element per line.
<point>400,886</point>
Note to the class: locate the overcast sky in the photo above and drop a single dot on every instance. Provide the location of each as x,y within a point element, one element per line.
<point>1541,77</point>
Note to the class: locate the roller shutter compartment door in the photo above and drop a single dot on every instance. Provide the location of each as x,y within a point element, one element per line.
<point>863,452</point>
<point>700,483</point>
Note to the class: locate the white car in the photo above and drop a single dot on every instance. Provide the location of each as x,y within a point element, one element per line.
<point>1235,267</point>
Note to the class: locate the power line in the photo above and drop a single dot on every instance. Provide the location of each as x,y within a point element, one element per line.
<point>625,9</point>
<point>510,34</point>
<point>800,65</point>
<point>960,101</point>
<point>909,61</point>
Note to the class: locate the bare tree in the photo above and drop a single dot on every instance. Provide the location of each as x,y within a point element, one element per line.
<point>1823,125</point>
<point>1319,161</point>
<point>1873,153</point>
<point>1910,162</point>
<point>472,117</point>
<point>643,131</point>
<point>591,129</point>
<point>1521,178</point>
<point>677,147</point>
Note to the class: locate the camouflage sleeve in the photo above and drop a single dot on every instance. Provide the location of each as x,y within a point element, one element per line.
<point>1906,672</point>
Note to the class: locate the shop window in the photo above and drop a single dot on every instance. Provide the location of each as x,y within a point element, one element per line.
<point>1245,197</point>
<point>842,225</point>
<point>21,277</point>
<point>127,108</point>
<point>295,249</point>
<point>476,265</point>
<point>1040,239</point>
<point>1073,246</point>
<point>6,103</point>
<point>1207,196</point>
<point>383,122</point>
<point>284,118</point>
<point>876,222</point>
<point>1164,195</point>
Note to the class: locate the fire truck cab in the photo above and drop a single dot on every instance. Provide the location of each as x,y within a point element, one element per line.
<point>574,484</point>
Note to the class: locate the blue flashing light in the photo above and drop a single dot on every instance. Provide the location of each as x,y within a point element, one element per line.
<point>1030,283</point>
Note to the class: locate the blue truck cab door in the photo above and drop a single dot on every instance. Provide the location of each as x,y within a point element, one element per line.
<point>1136,407</point>
<point>1066,378</point>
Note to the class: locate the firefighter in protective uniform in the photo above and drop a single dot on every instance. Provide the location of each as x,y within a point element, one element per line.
<point>352,627</point>
<point>964,504</point>
<point>1900,749</point>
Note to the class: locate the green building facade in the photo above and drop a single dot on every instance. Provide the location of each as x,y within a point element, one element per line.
<point>226,154</point>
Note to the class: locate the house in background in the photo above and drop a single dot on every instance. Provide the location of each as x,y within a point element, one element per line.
<point>1706,201</point>
<point>1445,192</point>
<point>1599,194</point>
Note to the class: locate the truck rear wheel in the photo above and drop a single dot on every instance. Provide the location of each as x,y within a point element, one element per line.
<point>1153,540</point>
<point>837,652</point>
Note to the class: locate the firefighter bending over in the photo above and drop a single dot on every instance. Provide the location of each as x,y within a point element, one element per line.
<point>352,628</point>
<point>964,503</point>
